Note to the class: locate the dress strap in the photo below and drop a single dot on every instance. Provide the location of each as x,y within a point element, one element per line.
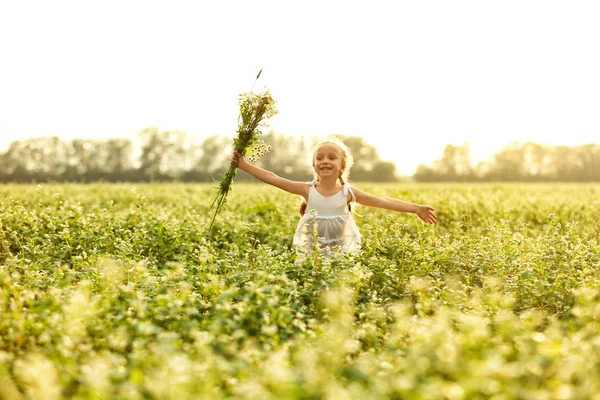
<point>348,188</point>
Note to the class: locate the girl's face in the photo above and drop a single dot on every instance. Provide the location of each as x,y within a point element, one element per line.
<point>328,160</point>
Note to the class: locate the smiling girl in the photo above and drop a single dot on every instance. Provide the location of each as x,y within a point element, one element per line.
<point>328,198</point>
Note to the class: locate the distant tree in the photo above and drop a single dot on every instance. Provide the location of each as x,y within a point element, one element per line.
<point>454,166</point>
<point>383,171</point>
<point>118,156</point>
<point>589,154</point>
<point>564,164</point>
<point>15,158</point>
<point>536,161</point>
<point>164,154</point>
<point>4,176</point>
<point>425,173</point>
<point>47,157</point>
<point>177,158</point>
<point>83,161</point>
<point>508,164</point>
<point>39,159</point>
<point>209,158</point>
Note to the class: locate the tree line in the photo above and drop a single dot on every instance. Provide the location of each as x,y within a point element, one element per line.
<point>157,155</point>
<point>517,162</point>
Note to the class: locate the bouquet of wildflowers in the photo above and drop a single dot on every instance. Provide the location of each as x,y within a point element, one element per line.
<point>255,109</point>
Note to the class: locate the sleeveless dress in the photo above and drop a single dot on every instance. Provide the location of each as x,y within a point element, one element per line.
<point>335,226</point>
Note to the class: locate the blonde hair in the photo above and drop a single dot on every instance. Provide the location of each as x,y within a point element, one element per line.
<point>347,162</point>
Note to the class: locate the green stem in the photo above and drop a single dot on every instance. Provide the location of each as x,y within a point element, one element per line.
<point>224,188</point>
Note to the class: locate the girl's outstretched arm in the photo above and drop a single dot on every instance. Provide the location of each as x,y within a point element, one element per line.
<point>424,212</point>
<point>294,187</point>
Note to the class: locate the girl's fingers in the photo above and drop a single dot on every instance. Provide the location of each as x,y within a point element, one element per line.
<point>430,218</point>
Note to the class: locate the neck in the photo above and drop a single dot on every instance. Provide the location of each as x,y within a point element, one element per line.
<point>328,182</point>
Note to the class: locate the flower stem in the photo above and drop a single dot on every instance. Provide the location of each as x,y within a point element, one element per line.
<point>224,188</point>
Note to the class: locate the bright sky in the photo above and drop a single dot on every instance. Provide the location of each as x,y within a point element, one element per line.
<point>409,76</point>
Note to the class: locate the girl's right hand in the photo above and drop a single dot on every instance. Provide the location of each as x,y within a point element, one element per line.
<point>237,159</point>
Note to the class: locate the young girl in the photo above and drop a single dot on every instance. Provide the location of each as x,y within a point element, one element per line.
<point>327,198</point>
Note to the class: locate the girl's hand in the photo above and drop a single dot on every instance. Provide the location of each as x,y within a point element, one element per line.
<point>426,214</point>
<point>238,159</point>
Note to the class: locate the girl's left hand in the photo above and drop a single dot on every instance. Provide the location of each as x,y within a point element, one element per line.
<point>426,214</point>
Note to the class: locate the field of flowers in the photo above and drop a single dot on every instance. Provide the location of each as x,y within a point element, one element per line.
<point>120,291</point>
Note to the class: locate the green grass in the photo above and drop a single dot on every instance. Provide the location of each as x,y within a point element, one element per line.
<point>119,291</point>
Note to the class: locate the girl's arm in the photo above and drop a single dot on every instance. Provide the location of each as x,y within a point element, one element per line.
<point>294,187</point>
<point>424,212</point>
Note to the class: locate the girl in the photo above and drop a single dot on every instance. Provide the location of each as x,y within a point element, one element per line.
<point>327,198</point>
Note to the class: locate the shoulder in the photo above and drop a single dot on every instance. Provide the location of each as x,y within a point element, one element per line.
<point>361,195</point>
<point>349,192</point>
<point>306,188</point>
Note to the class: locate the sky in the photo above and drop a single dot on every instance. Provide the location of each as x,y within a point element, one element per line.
<point>408,76</point>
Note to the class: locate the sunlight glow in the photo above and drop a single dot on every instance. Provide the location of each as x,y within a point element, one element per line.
<point>410,77</point>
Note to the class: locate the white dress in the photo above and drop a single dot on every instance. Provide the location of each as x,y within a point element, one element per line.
<point>335,226</point>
